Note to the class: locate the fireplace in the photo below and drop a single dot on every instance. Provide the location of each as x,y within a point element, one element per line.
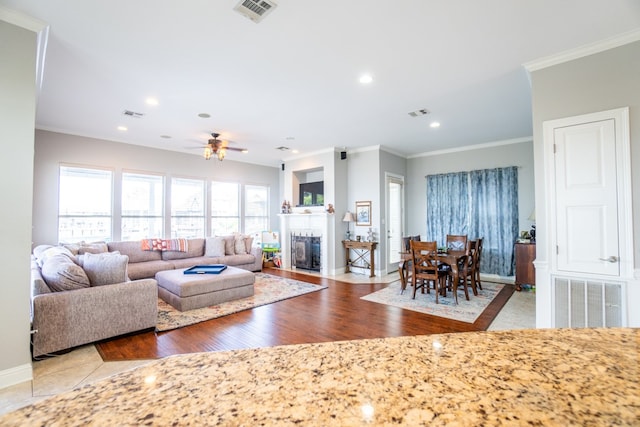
<point>306,252</point>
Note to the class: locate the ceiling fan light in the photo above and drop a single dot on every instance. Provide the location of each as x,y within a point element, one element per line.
<point>207,152</point>
<point>221,154</point>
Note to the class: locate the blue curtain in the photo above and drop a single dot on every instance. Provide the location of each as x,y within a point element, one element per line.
<point>447,206</point>
<point>494,216</point>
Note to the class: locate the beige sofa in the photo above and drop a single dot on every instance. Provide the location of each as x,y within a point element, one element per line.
<point>145,264</point>
<point>81,312</point>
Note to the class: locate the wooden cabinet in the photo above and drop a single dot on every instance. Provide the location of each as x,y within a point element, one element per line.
<point>525,272</point>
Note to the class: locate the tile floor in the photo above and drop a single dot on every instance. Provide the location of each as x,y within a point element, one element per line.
<point>84,365</point>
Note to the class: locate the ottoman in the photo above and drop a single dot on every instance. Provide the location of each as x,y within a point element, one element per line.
<point>189,291</point>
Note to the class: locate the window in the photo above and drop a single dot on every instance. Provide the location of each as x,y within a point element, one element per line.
<point>187,208</point>
<point>225,208</point>
<point>142,206</point>
<point>256,209</point>
<point>84,204</point>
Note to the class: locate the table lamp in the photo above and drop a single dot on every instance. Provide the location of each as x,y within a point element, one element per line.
<point>348,218</point>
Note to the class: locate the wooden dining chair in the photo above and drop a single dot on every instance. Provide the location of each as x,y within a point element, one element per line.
<point>470,271</point>
<point>424,265</point>
<point>476,263</point>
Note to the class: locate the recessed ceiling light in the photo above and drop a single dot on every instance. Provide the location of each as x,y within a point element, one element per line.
<point>366,79</point>
<point>295,151</point>
<point>204,115</point>
<point>122,128</point>
<point>435,124</point>
<point>245,151</point>
<point>151,101</point>
<point>165,136</point>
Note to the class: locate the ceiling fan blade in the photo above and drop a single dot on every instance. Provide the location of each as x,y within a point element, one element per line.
<point>235,149</point>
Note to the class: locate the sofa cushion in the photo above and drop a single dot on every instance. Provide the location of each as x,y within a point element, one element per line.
<point>147,269</point>
<point>195,248</point>
<point>214,247</point>
<point>134,252</point>
<point>60,273</point>
<point>105,268</point>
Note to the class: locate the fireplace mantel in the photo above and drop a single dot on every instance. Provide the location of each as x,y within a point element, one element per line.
<point>311,224</point>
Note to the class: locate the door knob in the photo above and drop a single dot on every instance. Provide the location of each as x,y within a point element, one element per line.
<point>612,258</point>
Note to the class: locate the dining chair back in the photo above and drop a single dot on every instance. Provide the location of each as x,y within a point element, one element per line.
<point>456,242</point>
<point>424,267</point>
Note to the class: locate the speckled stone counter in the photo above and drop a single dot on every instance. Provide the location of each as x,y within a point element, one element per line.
<point>537,377</point>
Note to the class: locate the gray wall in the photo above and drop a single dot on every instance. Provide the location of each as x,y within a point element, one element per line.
<point>482,157</point>
<point>52,149</point>
<point>17,117</point>
<point>599,82</point>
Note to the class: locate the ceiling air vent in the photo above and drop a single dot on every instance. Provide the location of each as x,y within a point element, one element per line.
<point>418,113</point>
<point>255,10</point>
<point>130,113</point>
<point>282,148</point>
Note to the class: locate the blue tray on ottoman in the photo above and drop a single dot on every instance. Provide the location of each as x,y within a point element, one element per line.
<point>206,269</point>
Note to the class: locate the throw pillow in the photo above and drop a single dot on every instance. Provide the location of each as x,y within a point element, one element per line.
<point>105,268</point>
<point>214,247</point>
<point>240,246</point>
<point>62,274</point>
<point>94,248</point>
<point>53,251</point>
<point>229,245</point>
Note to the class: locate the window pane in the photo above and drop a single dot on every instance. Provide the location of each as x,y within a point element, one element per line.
<point>187,208</point>
<point>225,208</point>
<point>142,195</point>
<point>256,208</point>
<point>84,204</point>
<point>224,226</point>
<point>142,206</point>
<point>224,199</point>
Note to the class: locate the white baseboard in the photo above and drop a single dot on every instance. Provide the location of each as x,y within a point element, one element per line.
<point>16,375</point>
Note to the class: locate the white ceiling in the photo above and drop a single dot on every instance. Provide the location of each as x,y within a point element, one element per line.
<point>292,80</point>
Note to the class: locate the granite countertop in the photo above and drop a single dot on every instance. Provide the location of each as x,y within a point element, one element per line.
<point>537,377</point>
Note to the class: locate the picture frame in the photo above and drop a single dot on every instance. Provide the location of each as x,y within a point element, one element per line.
<point>363,213</point>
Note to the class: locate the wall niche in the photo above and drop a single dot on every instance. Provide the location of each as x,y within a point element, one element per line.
<point>308,187</point>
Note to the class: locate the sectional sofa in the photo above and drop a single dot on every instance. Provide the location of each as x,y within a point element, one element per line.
<point>83,293</point>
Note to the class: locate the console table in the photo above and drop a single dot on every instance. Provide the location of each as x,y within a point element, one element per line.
<point>360,251</point>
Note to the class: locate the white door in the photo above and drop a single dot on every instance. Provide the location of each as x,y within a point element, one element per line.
<point>395,208</point>
<point>587,198</point>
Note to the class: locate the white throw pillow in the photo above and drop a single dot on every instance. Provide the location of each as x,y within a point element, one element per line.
<point>214,247</point>
<point>106,268</point>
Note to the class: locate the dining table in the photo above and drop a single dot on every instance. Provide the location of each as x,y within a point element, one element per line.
<point>450,258</point>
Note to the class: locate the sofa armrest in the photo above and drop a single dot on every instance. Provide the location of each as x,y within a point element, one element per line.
<point>63,320</point>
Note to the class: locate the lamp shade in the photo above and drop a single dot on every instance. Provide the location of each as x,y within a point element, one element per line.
<point>348,217</point>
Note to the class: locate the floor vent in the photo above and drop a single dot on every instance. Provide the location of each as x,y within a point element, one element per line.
<point>587,303</point>
<point>255,10</point>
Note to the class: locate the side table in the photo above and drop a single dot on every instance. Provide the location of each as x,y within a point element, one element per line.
<point>360,250</point>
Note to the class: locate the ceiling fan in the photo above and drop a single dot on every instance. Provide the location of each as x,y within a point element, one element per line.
<point>219,147</point>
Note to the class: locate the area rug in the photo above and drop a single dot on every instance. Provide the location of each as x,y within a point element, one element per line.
<point>465,311</point>
<point>268,289</point>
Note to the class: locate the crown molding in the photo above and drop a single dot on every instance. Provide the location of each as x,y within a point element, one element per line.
<point>582,51</point>
<point>473,147</point>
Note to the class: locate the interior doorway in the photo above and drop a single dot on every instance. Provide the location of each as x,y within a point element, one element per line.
<point>395,219</point>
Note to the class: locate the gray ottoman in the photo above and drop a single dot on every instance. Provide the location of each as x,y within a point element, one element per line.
<point>190,291</point>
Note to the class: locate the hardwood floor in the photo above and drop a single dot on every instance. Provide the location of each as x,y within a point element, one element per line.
<point>334,314</point>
